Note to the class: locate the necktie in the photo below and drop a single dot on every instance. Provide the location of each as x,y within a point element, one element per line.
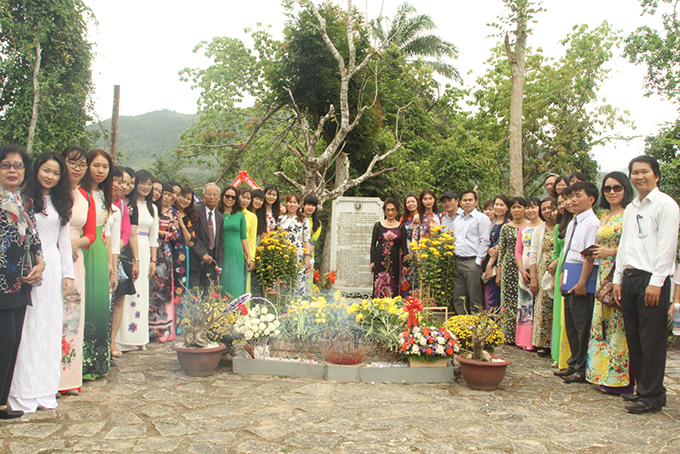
<point>211,232</point>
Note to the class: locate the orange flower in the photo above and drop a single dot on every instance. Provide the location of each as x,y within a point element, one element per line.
<point>426,331</point>
<point>449,351</point>
<point>452,342</point>
<point>404,346</point>
<point>429,351</point>
<point>405,334</point>
<point>410,341</point>
<point>447,335</point>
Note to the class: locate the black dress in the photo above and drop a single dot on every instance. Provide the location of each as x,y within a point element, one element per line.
<point>388,249</point>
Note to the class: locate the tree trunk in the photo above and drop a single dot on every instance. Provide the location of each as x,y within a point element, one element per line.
<point>517,60</point>
<point>36,99</point>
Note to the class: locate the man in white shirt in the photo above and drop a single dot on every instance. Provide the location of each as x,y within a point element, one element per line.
<point>578,301</point>
<point>471,232</point>
<point>644,263</point>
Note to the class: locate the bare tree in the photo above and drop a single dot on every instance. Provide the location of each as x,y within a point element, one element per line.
<point>315,166</point>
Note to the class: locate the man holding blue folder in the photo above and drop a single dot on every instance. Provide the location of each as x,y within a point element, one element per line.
<point>579,270</point>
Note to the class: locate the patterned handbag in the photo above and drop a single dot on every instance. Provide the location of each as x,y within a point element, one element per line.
<point>605,293</point>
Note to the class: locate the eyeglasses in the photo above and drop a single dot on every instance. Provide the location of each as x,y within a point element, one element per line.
<point>7,165</point>
<point>616,188</point>
<point>229,197</point>
<point>76,166</point>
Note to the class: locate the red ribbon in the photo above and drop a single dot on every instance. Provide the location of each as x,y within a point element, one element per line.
<point>412,306</point>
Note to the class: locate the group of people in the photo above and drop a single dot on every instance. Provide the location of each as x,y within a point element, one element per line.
<point>591,291</point>
<point>93,258</point>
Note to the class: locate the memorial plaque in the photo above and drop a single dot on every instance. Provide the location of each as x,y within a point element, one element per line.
<point>352,222</point>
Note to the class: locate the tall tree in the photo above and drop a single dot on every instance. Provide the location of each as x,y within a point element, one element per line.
<point>563,118</point>
<point>45,79</point>
<point>520,14</point>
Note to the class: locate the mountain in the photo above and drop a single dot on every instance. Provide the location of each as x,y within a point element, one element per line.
<point>142,136</point>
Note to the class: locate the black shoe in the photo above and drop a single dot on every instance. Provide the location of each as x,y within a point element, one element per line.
<point>7,413</point>
<point>564,372</point>
<point>640,407</point>
<point>574,378</point>
<point>543,353</point>
<point>630,397</point>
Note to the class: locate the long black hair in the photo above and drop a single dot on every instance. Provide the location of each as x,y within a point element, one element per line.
<point>421,205</point>
<point>167,187</point>
<point>221,206</point>
<point>262,211</point>
<point>566,217</point>
<point>189,211</point>
<point>259,194</point>
<point>506,201</point>
<point>62,200</point>
<point>310,199</point>
<point>407,213</point>
<point>627,190</point>
<point>105,186</point>
<point>140,177</point>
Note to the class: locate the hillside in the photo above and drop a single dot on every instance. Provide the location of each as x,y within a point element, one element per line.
<point>140,136</point>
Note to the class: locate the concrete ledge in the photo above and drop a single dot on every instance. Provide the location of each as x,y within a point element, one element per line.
<point>243,364</point>
<point>343,373</point>
<point>407,374</point>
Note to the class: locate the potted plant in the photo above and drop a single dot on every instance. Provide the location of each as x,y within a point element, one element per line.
<point>477,334</point>
<point>202,315</point>
<point>258,324</point>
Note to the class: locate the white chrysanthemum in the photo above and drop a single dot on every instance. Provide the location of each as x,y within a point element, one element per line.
<point>264,310</point>
<point>441,340</point>
<point>422,341</point>
<point>415,350</point>
<point>271,317</point>
<point>248,335</point>
<point>440,349</point>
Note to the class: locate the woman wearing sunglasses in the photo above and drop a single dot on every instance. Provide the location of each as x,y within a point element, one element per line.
<point>607,364</point>
<point>236,251</point>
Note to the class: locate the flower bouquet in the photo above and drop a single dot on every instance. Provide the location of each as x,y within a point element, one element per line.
<point>433,258</point>
<point>257,325</point>
<point>428,343</point>
<point>276,259</point>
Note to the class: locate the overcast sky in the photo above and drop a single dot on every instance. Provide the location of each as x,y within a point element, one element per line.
<point>142,45</point>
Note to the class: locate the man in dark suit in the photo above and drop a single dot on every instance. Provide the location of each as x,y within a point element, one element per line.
<point>207,254</point>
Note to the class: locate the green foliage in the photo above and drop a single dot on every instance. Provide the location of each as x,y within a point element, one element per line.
<point>563,119</point>
<point>406,31</point>
<point>658,49</point>
<point>60,27</point>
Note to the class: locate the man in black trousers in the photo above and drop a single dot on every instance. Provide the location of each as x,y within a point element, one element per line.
<point>644,263</point>
<point>205,260</point>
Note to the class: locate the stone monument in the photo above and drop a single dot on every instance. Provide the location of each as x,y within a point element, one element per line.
<point>352,222</point>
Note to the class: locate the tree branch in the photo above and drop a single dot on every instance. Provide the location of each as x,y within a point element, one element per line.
<point>297,185</point>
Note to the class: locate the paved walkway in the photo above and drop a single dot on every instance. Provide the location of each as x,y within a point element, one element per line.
<point>146,404</point>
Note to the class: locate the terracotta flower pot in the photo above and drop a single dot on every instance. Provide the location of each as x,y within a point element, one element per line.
<point>482,375</point>
<point>199,362</point>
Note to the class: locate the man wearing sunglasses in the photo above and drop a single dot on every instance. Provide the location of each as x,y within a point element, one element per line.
<point>644,264</point>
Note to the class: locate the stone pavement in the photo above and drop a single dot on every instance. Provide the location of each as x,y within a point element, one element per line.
<point>146,404</point>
